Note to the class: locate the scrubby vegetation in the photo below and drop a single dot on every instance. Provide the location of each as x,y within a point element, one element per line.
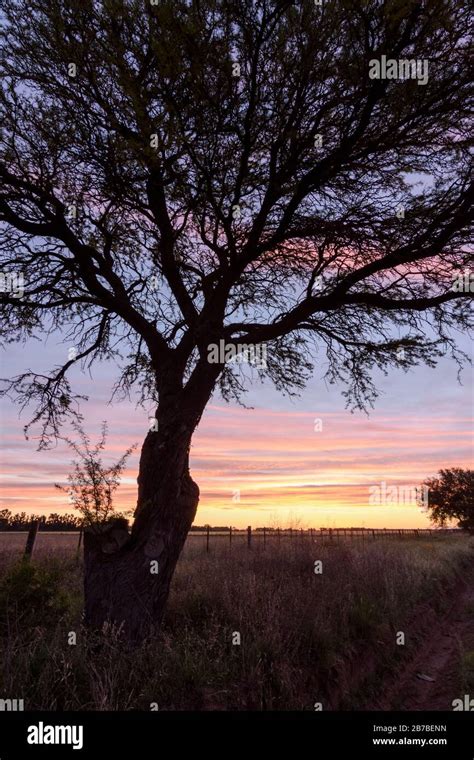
<point>301,633</point>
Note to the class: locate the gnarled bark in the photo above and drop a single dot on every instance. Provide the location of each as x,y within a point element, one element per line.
<point>121,584</point>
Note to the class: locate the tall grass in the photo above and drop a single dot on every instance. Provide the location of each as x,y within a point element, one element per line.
<point>301,633</point>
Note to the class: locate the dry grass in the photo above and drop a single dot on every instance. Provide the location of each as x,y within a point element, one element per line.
<point>299,631</point>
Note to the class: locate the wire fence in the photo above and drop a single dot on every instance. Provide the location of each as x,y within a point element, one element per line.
<point>260,537</point>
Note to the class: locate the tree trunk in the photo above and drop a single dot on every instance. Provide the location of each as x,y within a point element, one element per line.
<point>127,576</point>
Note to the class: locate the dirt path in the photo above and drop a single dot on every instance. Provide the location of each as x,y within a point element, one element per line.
<point>438,659</point>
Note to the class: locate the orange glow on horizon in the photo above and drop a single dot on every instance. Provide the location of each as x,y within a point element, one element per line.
<point>272,468</point>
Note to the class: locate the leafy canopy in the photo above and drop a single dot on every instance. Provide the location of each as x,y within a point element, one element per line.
<point>181,173</point>
<point>451,497</point>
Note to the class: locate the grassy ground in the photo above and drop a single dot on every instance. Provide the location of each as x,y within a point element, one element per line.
<point>301,633</point>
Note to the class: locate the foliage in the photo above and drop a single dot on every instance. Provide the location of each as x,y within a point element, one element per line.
<point>31,596</point>
<point>182,173</point>
<point>451,497</point>
<point>21,521</point>
<point>92,484</point>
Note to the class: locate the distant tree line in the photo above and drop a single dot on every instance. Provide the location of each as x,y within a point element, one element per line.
<point>52,522</point>
<point>66,521</point>
<point>212,528</point>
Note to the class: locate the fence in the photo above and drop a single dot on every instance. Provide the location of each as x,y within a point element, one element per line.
<point>260,537</point>
<point>33,533</point>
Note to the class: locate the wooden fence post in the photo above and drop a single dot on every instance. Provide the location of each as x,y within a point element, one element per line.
<point>249,537</point>
<point>264,537</point>
<point>207,537</point>
<point>81,531</point>
<point>30,541</point>
<point>230,536</point>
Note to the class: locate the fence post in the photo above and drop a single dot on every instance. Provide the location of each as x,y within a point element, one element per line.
<point>207,537</point>
<point>330,533</point>
<point>230,535</point>
<point>81,531</point>
<point>30,541</point>
<point>249,537</point>
<point>264,537</point>
<point>278,534</point>
<point>291,532</point>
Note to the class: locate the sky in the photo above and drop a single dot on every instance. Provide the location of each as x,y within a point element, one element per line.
<point>304,462</point>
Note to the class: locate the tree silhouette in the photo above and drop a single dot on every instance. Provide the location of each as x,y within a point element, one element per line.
<point>451,497</point>
<point>178,176</point>
<point>91,485</point>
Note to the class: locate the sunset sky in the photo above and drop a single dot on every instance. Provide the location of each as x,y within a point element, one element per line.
<point>270,457</point>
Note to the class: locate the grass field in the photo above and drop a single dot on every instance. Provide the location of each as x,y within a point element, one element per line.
<point>305,637</point>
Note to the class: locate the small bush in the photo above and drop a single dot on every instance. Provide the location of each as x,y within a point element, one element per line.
<point>31,596</point>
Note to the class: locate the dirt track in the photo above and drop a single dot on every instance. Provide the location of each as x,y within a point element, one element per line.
<point>438,658</point>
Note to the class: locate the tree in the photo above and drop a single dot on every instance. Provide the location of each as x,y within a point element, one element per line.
<point>5,517</point>
<point>92,485</point>
<point>451,497</point>
<point>182,176</point>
